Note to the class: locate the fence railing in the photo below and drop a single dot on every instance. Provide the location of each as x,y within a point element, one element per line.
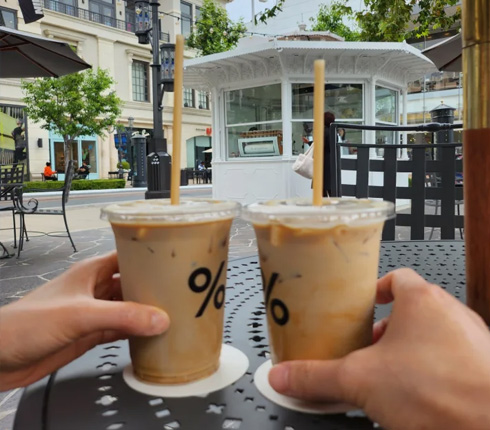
<point>127,25</point>
<point>426,175</point>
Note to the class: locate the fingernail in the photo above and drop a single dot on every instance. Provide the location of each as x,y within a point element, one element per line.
<point>159,322</point>
<point>279,378</point>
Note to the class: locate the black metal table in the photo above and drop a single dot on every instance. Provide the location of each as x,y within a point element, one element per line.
<point>90,393</point>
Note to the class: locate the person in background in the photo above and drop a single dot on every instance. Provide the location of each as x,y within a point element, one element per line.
<point>205,174</point>
<point>49,174</point>
<point>341,135</point>
<point>20,142</point>
<point>307,135</point>
<point>83,171</point>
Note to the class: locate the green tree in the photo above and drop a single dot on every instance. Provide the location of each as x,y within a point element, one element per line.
<point>73,105</point>
<point>215,32</point>
<point>391,20</point>
<point>269,12</point>
<point>331,18</point>
<point>397,20</point>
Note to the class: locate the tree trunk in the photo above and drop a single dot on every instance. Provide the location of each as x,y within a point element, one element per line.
<point>67,151</point>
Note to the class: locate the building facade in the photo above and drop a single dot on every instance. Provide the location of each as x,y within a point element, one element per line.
<point>102,33</point>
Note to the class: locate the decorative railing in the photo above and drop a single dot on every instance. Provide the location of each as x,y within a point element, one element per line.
<point>127,25</point>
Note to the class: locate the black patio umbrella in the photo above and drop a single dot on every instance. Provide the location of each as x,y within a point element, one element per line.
<point>25,55</point>
<point>447,55</point>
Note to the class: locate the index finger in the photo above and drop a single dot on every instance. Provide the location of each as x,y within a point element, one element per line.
<point>397,283</point>
<point>96,272</point>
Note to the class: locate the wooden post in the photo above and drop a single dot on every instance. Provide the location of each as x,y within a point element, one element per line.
<point>476,153</point>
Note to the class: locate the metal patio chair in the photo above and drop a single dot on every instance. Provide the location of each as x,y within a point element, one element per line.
<point>23,211</point>
<point>11,177</point>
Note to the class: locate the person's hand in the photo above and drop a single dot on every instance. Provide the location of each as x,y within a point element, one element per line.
<point>66,317</point>
<point>429,366</point>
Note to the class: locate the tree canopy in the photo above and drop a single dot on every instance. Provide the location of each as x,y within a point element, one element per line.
<point>331,18</point>
<point>269,12</point>
<point>214,32</point>
<point>79,104</point>
<point>398,20</point>
<point>382,20</point>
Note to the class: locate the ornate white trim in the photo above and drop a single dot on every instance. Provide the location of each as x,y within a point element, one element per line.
<point>70,38</point>
<point>138,54</point>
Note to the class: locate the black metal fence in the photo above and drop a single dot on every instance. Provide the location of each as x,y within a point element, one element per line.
<point>434,177</point>
<point>127,25</point>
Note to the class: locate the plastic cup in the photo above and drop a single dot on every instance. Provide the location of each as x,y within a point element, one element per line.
<point>319,271</point>
<point>175,257</point>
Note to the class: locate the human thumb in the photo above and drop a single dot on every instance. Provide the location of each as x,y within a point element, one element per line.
<point>132,319</point>
<point>312,380</point>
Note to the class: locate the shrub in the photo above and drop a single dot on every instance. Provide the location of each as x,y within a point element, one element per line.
<point>124,165</point>
<point>77,184</point>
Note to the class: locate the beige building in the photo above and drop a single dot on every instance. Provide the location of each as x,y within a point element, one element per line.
<point>102,33</point>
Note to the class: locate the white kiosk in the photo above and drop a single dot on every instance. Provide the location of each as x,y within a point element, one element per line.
<point>262,95</point>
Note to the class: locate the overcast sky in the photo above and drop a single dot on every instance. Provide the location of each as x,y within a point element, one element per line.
<point>243,8</point>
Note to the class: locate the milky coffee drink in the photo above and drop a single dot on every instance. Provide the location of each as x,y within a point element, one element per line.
<point>175,257</point>
<point>319,271</point>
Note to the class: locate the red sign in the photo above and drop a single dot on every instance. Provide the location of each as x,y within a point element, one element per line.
<point>209,131</point>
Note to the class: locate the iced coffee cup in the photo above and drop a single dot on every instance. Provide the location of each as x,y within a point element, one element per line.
<point>175,257</point>
<point>319,270</point>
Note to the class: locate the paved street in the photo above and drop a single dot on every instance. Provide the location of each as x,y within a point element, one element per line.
<point>46,257</point>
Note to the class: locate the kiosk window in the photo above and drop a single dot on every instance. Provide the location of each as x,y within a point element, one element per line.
<point>253,118</point>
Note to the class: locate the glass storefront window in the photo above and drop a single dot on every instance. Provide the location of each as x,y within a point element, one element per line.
<point>344,100</point>
<point>386,105</point>
<point>262,140</point>
<point>302,136</point>
<point>437,81</point>
<point>59,156</point>
<point>89,155</point>
<point>80,150</point>
<point>253,105</point>
<point>196,147</point>
<point>253,118</point>
<point>74,154</point>
<point>386,114</point>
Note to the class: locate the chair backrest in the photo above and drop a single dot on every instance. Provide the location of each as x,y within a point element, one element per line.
<point>389,173</point>
<point>10,174</point>
<point>70,171</point>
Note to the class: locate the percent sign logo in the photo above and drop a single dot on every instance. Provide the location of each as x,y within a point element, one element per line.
<point>218,295</point>
<point>281,317</point>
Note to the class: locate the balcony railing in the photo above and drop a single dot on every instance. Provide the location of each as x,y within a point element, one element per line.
<point>127,25</point>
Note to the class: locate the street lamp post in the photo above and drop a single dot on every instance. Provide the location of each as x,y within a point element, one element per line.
<point>158,161</point>
<point>129,144</point>
<point>120,171</point>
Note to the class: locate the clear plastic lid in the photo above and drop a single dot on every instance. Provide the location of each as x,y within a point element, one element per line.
<point>301,212</point>
<point>161,211</point>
